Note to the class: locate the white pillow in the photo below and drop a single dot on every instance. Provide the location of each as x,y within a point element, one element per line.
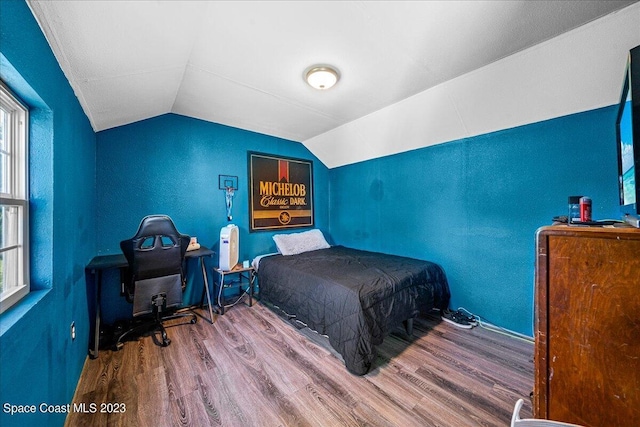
<point>297,243</point>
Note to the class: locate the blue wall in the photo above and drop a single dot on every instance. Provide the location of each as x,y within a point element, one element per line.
<point>170,165</point>
<point>39,363</point>
<point>473,205</point>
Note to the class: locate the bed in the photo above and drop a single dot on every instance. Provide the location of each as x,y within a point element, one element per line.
<point>352,296</point>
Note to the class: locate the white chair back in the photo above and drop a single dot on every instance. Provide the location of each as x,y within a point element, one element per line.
<point>516,421</point>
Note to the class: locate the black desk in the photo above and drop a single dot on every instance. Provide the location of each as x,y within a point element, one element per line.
<point>101,263</point>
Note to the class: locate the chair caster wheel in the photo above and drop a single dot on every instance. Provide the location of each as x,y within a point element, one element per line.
<point>118,346</point>
<point>166,342</point>
<point>194,320</point>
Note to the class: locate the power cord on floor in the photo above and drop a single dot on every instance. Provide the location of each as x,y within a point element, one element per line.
<point>483,323</point>
<point>238,298</point>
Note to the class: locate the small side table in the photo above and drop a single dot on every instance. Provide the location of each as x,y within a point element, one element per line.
<point>236,275</point>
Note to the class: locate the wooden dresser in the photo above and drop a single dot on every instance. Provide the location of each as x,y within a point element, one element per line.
<point>587,326</point>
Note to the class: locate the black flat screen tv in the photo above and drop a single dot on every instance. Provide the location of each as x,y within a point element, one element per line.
<point>628,141</point>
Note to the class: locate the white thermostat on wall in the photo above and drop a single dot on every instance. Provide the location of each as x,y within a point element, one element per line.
<point>229,242</point>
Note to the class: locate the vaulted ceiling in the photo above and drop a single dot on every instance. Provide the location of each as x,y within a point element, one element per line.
<point>241,63</point>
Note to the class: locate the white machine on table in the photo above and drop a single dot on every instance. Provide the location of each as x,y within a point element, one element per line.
<point>228,247</point>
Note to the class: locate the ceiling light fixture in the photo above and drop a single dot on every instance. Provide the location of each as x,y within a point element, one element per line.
<point>321,77</point>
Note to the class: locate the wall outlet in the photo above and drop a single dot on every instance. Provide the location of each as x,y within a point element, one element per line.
<point>73,330</point>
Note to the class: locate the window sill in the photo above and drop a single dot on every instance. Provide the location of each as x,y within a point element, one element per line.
<point>10,317</point>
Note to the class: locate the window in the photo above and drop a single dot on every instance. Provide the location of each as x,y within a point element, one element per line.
<point>14,203</point>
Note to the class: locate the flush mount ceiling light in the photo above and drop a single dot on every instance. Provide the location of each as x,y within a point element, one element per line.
<point>321,77</point>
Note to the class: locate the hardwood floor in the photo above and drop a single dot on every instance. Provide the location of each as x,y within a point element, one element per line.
<point>253,368</point>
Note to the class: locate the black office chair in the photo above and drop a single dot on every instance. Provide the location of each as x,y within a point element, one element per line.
<point>155,279</point>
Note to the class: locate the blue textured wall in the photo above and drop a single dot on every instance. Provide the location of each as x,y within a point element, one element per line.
<point>474,205</point>
<point>170,165</point>
<point>39,363</point>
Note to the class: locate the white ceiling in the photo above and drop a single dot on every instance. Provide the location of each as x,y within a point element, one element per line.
<point>240,63</point>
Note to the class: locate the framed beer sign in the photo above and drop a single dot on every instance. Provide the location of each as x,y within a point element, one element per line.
<point>280,192</point>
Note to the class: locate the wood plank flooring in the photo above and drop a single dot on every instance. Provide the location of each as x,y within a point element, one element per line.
<point>254,368</point>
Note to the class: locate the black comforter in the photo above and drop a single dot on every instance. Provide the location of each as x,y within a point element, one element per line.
<point>355,297</point>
